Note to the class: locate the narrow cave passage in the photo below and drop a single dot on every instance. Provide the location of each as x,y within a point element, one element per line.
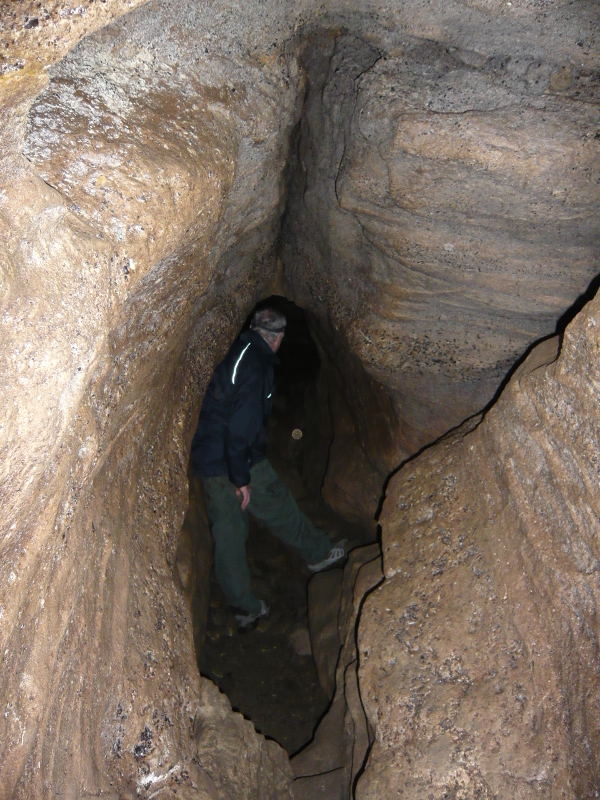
<point>419,177</point>
<point>269,674</point>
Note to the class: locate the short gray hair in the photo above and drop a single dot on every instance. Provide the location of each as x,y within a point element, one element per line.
<point>269,323</point>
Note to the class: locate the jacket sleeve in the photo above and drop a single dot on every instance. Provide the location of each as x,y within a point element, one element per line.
<point>245,422</point>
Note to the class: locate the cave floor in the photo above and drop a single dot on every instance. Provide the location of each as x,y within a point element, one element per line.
<point>269,674</point>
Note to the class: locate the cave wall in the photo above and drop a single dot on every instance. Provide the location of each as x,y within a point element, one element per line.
<point>138,231</point>
<point>448,184</point>
<point>479,652</point>
<point>441,161</point>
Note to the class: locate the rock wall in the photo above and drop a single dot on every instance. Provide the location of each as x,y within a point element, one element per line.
<point>441,160</point>
<point>479,653</point>
<point>137,235</point>
<point>328,767</point>
<point>447,182</point>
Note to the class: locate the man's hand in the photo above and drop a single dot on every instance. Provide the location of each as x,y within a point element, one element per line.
<point>243,492</point>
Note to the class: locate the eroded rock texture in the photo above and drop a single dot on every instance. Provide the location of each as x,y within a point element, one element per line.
<point>133,248</point>
<point>434,165</point>
<point>451,195</point>
<point>479,653</point>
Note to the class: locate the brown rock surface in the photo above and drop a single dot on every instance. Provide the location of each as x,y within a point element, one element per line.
<point>441,216</point>
<point>35,34</point>
<point>479,656</point>
<point>194,559</point>
<point>451,196</point>
<point>238,761</point>
<point>324,595</point>
<point>126,268</point>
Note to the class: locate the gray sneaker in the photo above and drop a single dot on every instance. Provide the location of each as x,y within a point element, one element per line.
<point>247,622</point>
<point>337,553</point>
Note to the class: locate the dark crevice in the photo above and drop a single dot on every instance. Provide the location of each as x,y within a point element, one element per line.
<point>363,765</point>
<point>583,299</point>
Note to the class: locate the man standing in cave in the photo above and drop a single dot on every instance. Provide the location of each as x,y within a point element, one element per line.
<point>229,453</point>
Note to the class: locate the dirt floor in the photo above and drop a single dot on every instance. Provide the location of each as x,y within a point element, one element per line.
<point>269,673</point>
<point>261,671</point>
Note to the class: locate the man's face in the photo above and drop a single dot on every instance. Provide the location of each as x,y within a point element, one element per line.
<point>275,345</point>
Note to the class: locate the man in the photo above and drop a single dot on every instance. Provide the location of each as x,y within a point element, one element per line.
<point>229,453</point>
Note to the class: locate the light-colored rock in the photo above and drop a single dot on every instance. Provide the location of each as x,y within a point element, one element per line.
<point>130,254</point>
<point>241,763</point>
<point>452,199</point>
<point>436,162</point>
<point>478,652</point>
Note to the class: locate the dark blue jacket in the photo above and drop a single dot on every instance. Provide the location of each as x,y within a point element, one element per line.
<point>231,436</point>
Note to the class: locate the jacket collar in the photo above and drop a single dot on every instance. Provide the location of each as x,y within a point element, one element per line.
<point>253,337</point>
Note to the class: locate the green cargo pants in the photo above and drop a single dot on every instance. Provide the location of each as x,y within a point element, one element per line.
<point>272,503</point>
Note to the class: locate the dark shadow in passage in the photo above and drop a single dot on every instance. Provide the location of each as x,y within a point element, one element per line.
<point>269,674</point>
<point>577,306</point>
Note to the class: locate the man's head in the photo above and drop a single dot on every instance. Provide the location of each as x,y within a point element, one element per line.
<point>270,324</point>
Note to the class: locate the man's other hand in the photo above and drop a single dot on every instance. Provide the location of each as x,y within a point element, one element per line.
<point>243,493</point>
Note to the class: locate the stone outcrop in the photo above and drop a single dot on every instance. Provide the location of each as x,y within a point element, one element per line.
<point>236,761</point>
<point>479,653</point>
<point>421,178</point>
<point>448,187</point>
